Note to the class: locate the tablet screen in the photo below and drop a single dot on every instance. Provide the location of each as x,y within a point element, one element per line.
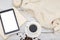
<point>9,21</point>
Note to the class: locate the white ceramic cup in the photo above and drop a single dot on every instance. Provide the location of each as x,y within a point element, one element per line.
<point>33,29</point>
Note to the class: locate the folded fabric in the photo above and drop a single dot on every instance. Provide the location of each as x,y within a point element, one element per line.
<point>45,11</point>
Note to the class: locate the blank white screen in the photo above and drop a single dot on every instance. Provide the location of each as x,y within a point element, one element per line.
<point>9,21</point>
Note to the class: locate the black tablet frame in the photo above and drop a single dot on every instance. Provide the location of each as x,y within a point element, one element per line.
<point>15,19</point>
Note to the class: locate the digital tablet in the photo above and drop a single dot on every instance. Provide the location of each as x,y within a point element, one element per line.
<point>9,21</point>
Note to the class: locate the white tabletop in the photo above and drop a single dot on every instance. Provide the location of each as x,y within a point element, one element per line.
<point>6,4</point>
